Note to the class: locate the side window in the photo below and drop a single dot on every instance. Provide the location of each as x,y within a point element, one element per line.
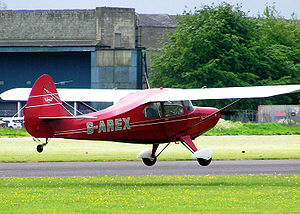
<point>188,105</point>
<point>153,110</point>
<point>173,108</point>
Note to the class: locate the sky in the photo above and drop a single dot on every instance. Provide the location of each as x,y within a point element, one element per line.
<point>252,7</point>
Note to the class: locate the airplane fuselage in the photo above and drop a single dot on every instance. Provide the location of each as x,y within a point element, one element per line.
<point>132,119</point>
<point>133,126</point>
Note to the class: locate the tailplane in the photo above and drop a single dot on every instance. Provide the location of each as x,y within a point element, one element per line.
<point>43,101</point>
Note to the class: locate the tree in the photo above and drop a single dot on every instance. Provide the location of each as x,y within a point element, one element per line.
<point>278,53</point>
<point>219,46</point>
<point>278,49</point>
<point>209,47</point>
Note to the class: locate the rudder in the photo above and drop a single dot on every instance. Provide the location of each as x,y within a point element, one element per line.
<point>43,101</point>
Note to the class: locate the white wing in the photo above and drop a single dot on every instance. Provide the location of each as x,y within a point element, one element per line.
<point>223,93</point>
<point>71,95</point>
<point>111,95</point>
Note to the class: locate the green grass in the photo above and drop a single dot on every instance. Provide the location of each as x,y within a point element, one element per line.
<point>222,128</point>
<point>223,147</point>
<point>152,194</point>
<point>239,128</point>
<point>7,132</point>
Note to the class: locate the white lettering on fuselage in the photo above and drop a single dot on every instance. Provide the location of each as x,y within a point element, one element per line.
<point>109,125</point>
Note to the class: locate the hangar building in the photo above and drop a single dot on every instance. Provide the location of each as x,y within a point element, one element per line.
<point>96,48</point>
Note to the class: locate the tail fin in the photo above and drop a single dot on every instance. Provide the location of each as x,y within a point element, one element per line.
<point>43,101</point>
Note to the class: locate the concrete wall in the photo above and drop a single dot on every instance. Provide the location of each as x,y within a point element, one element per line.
<point>152,37</point>
<point>116,27</point>
<point>23,27</point>
<point>107,27</point>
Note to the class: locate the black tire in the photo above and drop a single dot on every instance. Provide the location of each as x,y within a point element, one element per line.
<point>204,162</point>
<point>39,148</point>
<point>148,161</point>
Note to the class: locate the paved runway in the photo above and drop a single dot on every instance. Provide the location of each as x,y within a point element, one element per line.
<point>137,168</point>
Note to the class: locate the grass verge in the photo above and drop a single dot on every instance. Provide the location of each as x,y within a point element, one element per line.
<point>8,132</point>
<point>239,128</point>
<point>223,147</point>
<point>149,194</point>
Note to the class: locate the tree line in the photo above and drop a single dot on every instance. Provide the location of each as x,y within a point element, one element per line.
<point>220,46</point>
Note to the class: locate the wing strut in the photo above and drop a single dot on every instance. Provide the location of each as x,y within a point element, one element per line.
<point>196,124</point>
<point>87,106</point>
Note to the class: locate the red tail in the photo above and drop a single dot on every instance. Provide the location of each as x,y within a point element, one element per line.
<point>43,102</point>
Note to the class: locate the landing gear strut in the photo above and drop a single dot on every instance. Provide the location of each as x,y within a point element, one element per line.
<point>40,147</point>
<point>203,156</point>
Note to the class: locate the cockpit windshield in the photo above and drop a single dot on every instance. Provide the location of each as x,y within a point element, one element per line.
<point>188,105</point>
<point>173,108</point>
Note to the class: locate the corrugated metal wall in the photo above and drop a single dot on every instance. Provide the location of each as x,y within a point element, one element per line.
<point>22,69</point>
<point>112,68</point>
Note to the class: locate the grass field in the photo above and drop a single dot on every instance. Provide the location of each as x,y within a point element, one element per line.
<point>160,194</point>
<point>152,194</point>
<point>223,147</point>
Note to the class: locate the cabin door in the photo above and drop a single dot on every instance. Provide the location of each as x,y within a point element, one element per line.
<point>175,117</point>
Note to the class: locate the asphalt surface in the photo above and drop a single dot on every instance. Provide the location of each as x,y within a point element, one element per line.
<point>137,168</point>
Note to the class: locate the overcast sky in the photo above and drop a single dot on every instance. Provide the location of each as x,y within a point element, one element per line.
<point>285,7</point>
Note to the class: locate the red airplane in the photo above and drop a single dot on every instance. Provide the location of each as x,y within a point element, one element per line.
<point>151,116</point>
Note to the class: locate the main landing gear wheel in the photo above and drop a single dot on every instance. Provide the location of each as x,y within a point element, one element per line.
<point>149,161</point>
<point>149,156</point>
<point>204,162</point>
<point>203,156</point>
